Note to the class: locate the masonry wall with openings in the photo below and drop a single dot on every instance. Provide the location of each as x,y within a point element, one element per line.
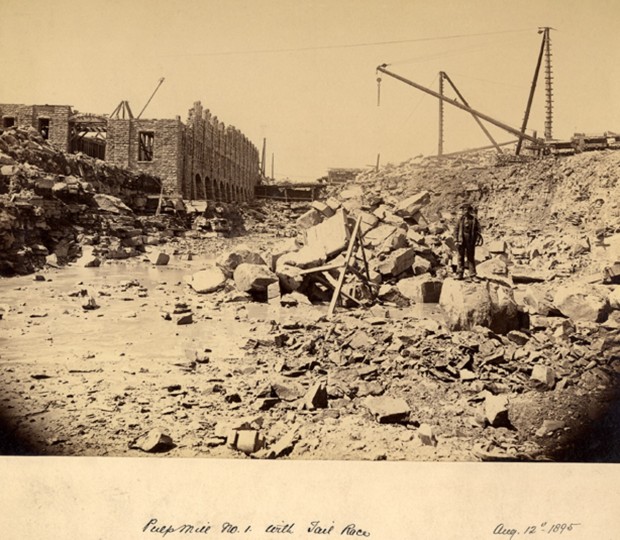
<point>202,159</point>
<point>151,146</point>
<point>51,121</point>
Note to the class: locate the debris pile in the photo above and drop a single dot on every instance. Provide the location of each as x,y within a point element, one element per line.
<point>53,203</point>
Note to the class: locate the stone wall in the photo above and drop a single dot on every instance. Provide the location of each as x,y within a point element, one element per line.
<point>221,162</point>
<point>31,115</point>
<point>123,148</point>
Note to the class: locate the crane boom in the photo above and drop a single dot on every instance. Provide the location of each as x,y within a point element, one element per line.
<point>476,113</point>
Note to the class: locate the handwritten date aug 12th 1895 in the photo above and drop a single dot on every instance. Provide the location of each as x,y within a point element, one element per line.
<point>505,531</point>
<point>153,526</point>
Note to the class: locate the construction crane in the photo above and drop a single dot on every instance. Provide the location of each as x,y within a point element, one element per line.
<point>477,114</point>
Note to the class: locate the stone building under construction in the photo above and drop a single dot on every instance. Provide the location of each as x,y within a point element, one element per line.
<point>201,159</point>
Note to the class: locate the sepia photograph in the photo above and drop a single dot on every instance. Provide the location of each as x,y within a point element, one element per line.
<point>324,233</point>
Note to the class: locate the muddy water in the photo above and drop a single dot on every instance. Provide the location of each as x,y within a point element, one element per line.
<point>45,324</point>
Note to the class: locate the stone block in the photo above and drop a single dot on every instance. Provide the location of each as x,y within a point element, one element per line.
<point>388,410</point>
<point>331,236</point>
<point>427,435</point>
<point>324,208</point>
<point>253,277</point>
<point>581,306</point>
<point>421,289</point>
<point>470,304</point>
<point>159,258</point>
<point>206,281</point>
<point>543,375</point>
<point>496,246</point>
<point>496,411</point>
<point>316,397</point>
<point>396,262</point>
<point>421,265</point>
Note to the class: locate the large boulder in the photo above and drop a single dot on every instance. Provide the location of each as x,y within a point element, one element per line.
<point>229,260</point>
<point>469,304</point>
<point>579,305</point>
<point>254,277</point>
<point>206,281</point>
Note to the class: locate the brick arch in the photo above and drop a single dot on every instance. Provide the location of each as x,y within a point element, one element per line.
<point>210,195</point>
<point>199,188</point>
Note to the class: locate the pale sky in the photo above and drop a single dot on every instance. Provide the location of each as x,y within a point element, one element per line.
<point>302,74</point>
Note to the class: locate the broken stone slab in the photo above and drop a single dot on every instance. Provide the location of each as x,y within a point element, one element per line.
<point>109,203</point>
<point>88,258</point>
<point>324,208</point>
<point>388,410</point>
<point>184,318</point>
<point>282,248</point>
<point>581,306</point>
<point>206,281</point>
<point>289,277</point>
<point>548,427</point>
<point>379,235</point>
<point>253,277</point>
<point>421,289</point>
<point>427,435</point>
<point>316,397</point>
<point>284,446</point>
<point>496,246</point>
<point>329,237</point>
<point>421,265</point>
<point>535,301</point>
<point>521,273</point>
<point>352,192</point>
<point>306,257</point>
<point>295,299</point>
<point>230,260</point>
<point>90,304</point>
<point>520,338</point>
<point>396,262</point>
<point>491,268</point>
<point>544,375</point>
<point>154,441</point>
<point>612,273</point>
<point>159,258</point>
<point>391,294</point>
<point>411,205</point>
<point>470,304</point>
<point>613,299</point>
<point>311,218</point>
<point>496,411</point>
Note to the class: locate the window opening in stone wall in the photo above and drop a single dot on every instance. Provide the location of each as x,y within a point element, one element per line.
<point>44,127</point>
<point>8,121</point>
<point>145,148</point>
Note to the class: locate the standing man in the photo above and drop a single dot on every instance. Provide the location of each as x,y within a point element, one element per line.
<point>467,236</point>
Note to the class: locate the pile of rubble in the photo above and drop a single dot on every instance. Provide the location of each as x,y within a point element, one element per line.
<point>400,257</point>
<point>53,203</point>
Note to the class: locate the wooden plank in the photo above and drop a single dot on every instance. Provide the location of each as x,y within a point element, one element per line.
<point>343,272</point>
<point>324,268</point>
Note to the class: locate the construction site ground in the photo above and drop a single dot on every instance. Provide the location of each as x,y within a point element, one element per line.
<point>127,334</point>
<point>90,382</point>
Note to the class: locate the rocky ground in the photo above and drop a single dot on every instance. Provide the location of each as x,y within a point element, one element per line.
<point>179,344</point>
